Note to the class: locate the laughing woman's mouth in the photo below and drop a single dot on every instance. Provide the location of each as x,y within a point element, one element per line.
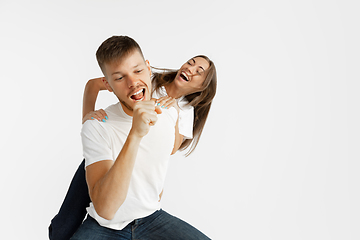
<point>184,77</point>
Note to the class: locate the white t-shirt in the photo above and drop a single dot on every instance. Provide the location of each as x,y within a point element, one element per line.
<point>104,141</point>
<point>186,113</point>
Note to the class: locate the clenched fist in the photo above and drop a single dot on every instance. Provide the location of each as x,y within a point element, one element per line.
<point>144,115</point>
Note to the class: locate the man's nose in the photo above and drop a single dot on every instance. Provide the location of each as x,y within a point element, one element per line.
<point>132,81</point>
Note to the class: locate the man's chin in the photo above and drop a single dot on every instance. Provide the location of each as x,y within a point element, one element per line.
<point>128,108</point>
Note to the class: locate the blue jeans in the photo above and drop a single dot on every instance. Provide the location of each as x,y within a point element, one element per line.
<point>158,226</point>
<point>73,209</point>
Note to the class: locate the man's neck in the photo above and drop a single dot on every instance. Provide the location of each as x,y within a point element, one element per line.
<point>126,108</point>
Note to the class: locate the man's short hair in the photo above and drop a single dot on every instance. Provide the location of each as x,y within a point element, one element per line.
<point>116,48</point>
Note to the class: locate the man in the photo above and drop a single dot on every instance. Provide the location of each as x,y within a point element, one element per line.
<point>127,156</point>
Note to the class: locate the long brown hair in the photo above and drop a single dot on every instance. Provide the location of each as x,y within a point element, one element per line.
<point>201,101</point>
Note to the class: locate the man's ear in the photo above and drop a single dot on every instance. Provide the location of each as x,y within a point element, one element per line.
<point>107,85</point>
<point>148,66</point>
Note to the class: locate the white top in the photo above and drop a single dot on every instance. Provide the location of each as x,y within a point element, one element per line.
<point>186,114</point>
<point>103,141</point>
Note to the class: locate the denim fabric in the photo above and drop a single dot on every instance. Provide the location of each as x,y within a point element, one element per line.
<point>73,209</point>
<point>158,226</point>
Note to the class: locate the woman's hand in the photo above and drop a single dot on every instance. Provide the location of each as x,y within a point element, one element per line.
<point>100,115</point>
<point>167,102</point>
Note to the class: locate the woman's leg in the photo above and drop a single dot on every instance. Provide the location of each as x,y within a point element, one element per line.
<point>161,225</point>
<point>73,209</point>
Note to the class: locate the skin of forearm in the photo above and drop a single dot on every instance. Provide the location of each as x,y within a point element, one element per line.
<point>110,191</point>
<point>92,88</point>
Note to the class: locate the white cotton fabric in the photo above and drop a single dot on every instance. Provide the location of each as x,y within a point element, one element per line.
<point>104,141</point>
<point>186,113</point>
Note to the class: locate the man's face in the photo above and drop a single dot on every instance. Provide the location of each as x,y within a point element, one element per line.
<point>129,79</point>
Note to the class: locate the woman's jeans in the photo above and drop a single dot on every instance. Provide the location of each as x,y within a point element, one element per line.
<point>159,225</point>
<point>73,209</point>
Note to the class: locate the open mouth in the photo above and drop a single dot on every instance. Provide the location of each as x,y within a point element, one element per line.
<point>138,95</point>
<point>184,77</point>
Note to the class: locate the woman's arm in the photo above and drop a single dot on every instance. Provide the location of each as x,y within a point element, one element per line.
<point>92,88</point>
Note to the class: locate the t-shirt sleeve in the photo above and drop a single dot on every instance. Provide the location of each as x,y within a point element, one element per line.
<point>96,143</point>
<point>186,121</point>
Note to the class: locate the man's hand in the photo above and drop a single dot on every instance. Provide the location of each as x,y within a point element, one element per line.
<point>144,115</point>
<point>109,181</point>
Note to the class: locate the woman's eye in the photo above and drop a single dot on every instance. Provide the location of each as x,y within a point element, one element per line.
<point>189,63</point>
<point>139,71</point>
<point>119,78</point>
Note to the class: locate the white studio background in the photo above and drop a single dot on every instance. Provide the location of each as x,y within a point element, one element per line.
<point>279,155</point>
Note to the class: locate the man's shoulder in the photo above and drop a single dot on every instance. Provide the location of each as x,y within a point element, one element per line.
<point>170,113</point>
<point>113,110</point>
<point>111,125</point>
<point>93,125</point>
<point>99,126</point>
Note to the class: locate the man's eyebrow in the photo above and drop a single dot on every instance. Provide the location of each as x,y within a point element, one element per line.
<point>137,65</point>
<point>116,73</point>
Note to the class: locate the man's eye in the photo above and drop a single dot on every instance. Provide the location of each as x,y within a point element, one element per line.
<point>119,78</point>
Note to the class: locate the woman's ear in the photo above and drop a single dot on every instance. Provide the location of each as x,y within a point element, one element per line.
<point>107,85</point>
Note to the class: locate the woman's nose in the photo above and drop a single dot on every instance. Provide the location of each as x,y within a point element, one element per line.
<point>192,70</point>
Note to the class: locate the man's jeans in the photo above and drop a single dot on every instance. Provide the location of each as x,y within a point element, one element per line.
<point>158,226</point>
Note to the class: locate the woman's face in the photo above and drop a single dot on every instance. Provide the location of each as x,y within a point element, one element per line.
<point>191,75</point>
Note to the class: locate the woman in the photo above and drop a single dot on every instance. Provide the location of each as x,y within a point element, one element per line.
<point>191,89</point>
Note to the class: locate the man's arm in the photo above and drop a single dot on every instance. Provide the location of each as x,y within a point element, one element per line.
<point>109,181</point>
<point>92,88</point>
